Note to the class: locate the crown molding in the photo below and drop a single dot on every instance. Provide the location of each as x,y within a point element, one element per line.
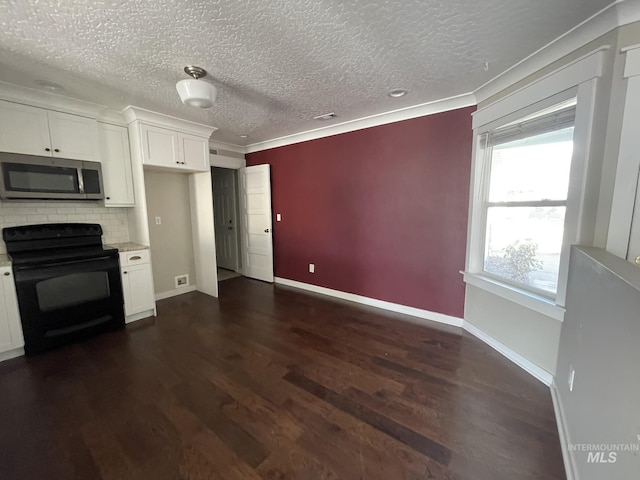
<point>429,108</point>
<point>617,14</point>
<point>12,92</point>
<point>132,114</point>
<point>232,147</point>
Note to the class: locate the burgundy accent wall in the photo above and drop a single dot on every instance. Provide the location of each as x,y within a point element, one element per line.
<point>381,212</point>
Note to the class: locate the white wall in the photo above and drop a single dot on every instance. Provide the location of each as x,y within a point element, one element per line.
<point>113,220</point>
<point>600,342</point>
<point>171,242</point>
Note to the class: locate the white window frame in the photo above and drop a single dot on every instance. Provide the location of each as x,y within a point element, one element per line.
<point>578,80</point>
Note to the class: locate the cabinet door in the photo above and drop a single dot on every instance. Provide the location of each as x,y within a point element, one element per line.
<point>159,147</point>
<point>116,166</point>
<point>194,152</point>
<point>74,137</point>
<point>24,129</point>
<point>10,326</point>
<point>137,286</point>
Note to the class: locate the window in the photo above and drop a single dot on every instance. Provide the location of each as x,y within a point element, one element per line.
<point>528,166</point>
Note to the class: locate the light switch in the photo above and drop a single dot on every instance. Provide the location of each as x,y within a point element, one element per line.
<point>158,221</point>
<point>278,217</point>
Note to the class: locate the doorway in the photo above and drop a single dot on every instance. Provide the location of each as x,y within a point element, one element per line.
<point>226,221</point>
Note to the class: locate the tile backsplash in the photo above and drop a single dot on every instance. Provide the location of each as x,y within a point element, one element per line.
<point>113,220</point>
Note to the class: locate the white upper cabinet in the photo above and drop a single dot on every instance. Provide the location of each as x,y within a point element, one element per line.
<point>74,137</point>
<point>162,147</point>
<point>159,146</point>
<point>167,142</point>
<point>37,131</point>
<point>116,166</point>
<point>24,129</point>
<point>195,151</point>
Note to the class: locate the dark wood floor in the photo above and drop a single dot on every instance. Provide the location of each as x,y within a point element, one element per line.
<point>272,383</point>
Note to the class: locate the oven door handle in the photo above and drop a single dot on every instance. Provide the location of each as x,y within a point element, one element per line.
<point>61,263</point>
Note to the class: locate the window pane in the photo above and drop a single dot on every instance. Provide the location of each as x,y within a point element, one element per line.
<point>535,168</point>
<point>523,245</point>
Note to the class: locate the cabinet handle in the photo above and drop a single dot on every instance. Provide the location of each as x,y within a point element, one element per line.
<point>47,149</point>
<point>108,198</point>
<point>124,273</point>
<point>135,257</point>
<point>56,149</point>
<point>6,274</point>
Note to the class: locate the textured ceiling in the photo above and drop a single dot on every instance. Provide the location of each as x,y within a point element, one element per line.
<point>276,63</point>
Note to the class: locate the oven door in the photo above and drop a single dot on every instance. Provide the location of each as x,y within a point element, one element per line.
<point>65,300</point>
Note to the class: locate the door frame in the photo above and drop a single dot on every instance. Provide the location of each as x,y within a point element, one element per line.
<point>232,163</point>
<point>236,214</point>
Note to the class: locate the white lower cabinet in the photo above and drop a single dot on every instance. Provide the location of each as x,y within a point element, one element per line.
<point>11,338</point>
<point>137,285</point>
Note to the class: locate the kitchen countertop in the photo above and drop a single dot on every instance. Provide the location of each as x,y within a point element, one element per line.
<point>4,260</point>
<point>128,246</point>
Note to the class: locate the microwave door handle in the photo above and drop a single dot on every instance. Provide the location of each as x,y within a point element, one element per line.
<point>80,180</point>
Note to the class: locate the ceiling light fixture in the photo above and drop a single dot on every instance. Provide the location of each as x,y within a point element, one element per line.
<point>243,135</point>
<point>326,116</point>
<point>196,92</point>
<point>397,93</point>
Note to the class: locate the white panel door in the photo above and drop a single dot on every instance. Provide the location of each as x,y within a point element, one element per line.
<point>255,199</point>
<point>194,152</point>
<point>74,137</point>
<point>159,146</point>
<point>24,130</point>
<point>116,166</point>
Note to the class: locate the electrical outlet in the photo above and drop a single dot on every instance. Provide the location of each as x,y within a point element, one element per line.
<point>312,268</point>
<point>158,221</point>
<point>572,376</point>
<point>182,280</point>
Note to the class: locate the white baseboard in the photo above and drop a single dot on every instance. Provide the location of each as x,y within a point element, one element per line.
<point>392,307</point>
<point>139,316</point>
<point>527,365</point>
<point>9,354</point>
<point>175,292</point>
<point>563,434</point>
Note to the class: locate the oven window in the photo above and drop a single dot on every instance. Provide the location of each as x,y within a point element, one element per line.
<point>39,178</point>
<point>71,290</point>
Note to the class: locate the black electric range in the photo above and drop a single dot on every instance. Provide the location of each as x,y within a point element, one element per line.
<point>68,283</point>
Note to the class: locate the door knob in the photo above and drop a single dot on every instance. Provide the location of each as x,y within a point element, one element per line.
<point>637,260</point>
<point>266,230</point>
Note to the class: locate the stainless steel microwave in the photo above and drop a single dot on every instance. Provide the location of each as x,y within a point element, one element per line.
<point>29,177</point>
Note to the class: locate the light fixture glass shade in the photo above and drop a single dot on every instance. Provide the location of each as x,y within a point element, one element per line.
<point>196,93</point>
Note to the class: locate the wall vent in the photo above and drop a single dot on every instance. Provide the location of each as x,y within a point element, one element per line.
<point>182,280</point>
<point>213,151</point>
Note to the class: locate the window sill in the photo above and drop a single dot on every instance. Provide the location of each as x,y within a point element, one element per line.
<point>522,297</point>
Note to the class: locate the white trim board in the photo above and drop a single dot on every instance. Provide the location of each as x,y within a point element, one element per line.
<point>429,108</point>
<point>175,292</point>
<point>373,302</point>
<point>563,433</point>
<point>527,365</point>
